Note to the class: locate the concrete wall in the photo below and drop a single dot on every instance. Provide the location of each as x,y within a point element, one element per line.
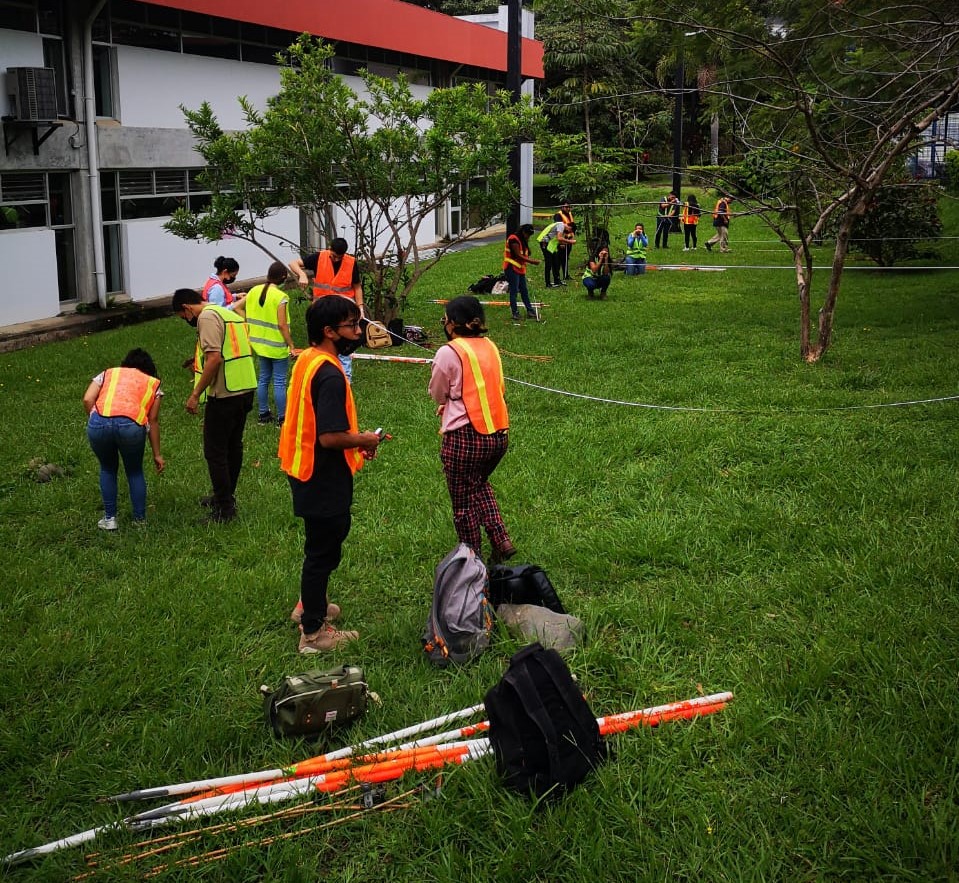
<point>157,262</point>
<point>29,290</point>
<point>187,80</point>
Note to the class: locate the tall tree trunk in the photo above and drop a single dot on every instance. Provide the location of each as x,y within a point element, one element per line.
<point>714,139</point>
<point>803,280</point>
<point>828,308</point>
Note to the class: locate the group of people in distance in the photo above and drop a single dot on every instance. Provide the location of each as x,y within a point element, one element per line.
<point>557,238</point>
<point>321,446</point>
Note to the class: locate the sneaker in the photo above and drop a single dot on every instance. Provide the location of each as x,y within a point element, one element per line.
<point>325,638</point>
<point>709,246</point>
<point>332,612</point>
<point>685,249</point>
<point>532,317</point>
<point>516,317</point>
<point>107,523</point>
<point>264,418</point>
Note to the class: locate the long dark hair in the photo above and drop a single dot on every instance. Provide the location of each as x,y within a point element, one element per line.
<point>141,361</point>
<point>274,276</point>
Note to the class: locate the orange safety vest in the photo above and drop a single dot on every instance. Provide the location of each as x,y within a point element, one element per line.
<point>483,384</point>
<point>298,435</point>
<point>721,212</point>
<point>687,216</point>
<point>509,260</point>
<point>227,296</point>
<point>327,281</point>
<point>127,392</point>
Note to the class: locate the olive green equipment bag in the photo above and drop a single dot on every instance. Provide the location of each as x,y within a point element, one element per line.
<point>314,702</point>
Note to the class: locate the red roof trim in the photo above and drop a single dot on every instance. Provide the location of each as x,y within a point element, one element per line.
<point>385,24</point>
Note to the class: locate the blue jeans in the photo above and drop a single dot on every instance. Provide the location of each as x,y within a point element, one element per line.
<point>517,285</point>
<point>635,267</point>
<point>596,283</point>
<point>347,363</point>
<point>275,370</point>
<point>113,438</point>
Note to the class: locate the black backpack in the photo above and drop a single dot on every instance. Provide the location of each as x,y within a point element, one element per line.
<point>522,584</point>
<point>543,733</point>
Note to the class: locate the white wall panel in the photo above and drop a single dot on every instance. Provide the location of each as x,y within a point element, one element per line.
<point>17,49</point>
<point>157,262</point>
<point>153,85</point>
<point>30,290</point>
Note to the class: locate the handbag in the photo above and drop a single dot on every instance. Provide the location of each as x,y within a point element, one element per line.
<point>309,704</point>
<point>375,336</point>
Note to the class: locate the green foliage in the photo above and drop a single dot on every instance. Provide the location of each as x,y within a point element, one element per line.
<point>903,215</point>
<point>387,160</point>
<point>951,161</point>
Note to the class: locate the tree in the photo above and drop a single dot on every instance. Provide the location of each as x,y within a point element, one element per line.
<point>388,160</point>
<point>833,93</point>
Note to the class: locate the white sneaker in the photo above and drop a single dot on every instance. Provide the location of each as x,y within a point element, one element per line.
<point>107,523</point>
<point>685,249</point>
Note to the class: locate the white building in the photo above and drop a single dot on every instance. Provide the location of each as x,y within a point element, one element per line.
<point>96,151</point>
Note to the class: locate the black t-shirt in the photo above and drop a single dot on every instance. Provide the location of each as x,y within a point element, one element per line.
<point>329,490</point>
<point>310,261</point>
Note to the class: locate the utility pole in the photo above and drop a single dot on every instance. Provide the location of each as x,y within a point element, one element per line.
<point>678,85</point>
<point>514,84</point>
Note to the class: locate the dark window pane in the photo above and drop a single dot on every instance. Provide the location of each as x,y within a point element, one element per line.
<point>170,181</point>
<point>194,180</point>
<point>111,248</point>
<point>14,216</point>
<point>53,57</point>
<point>195,22</point>
<point>259,54</point>
<point>103,80</point>
<point>136,183</point>
<point>101,26</point>
<point>129,10</point>
<point>146,36</point>
<point>224,27</point>
<point>18,16</point>
<point>209,46</point>
<point>163,16</point>
<point>199,202</point>
<point>253,33</point>
<point>66,264</point>
<point>108,196</point>
<point>150,207</point>
<point>280,38</point>
<point>51,18</point>
<point>61,199</point>
<point>23,187</point>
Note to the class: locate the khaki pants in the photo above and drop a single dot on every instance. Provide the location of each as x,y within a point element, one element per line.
<point>722,237</point>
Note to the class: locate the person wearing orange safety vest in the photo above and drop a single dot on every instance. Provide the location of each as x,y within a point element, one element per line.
<point>467,384</point>
<point>124,407</point>
<point>721,216</point>
<point>321,448</point>
<point>515,258</point>
<point>334,272</point>
<point>225,377</point>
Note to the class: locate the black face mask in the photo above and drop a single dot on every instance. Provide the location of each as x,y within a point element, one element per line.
<point>346,347</point>
<point>192,320</point>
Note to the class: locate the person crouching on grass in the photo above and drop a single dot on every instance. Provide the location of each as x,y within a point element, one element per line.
<point>467,384</point>
<point>321,448</point>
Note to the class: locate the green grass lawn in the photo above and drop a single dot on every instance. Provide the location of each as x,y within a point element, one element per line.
<point>762,529</point>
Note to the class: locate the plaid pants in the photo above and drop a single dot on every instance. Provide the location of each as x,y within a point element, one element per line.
<point>469,458</point>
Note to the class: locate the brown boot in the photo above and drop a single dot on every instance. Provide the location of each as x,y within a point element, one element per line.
<point>332,612</point>
<point>324,639</point>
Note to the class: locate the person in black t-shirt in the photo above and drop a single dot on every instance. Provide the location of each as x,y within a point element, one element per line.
<point>321,448</point>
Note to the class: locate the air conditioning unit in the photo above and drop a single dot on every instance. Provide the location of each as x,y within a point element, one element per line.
<point>33,93</point>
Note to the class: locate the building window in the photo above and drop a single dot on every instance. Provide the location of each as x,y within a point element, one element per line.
<point>39,199</point>
<point>104,68</point>
<point>53,56</point>
<point>150,193</point>
<point>18,15</point>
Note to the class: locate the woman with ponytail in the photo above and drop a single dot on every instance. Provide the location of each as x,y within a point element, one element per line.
<point>266,321</point>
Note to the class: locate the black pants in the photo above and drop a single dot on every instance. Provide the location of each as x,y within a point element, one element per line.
<point>663,227</point>
<point>689,230</point>
<point>552,264</point>
<point>223,423</point>
<point>322,550</point>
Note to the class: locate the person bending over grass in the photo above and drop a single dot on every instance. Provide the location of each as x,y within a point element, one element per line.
<point>124,408</point>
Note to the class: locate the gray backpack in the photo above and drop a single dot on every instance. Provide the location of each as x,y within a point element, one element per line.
<point>461,620</point>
